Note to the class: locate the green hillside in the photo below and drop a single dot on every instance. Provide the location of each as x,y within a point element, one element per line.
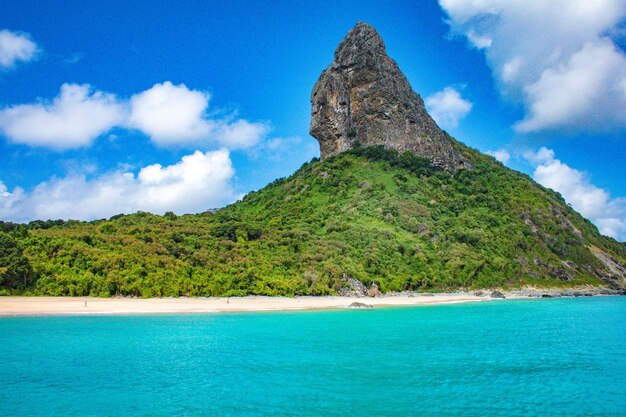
<point>369,213</point>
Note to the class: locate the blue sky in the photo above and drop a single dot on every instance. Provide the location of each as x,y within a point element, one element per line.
<point>109,107</point>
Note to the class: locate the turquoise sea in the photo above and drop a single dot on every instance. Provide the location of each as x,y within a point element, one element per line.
<point>556,357</point>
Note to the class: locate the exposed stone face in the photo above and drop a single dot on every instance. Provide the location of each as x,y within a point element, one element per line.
<point>363,96</point>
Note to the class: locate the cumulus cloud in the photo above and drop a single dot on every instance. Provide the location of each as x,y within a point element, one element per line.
<point>555,57</point>
<point>447,107</point>
<point>595,203</point>
<point>15,47</point>
<point>174,115</point>
<point>239,134</point>
<point>501,155</point>
<point>169,114</point>
<point>580,93</point>
<point>73,119</point>
<point>199,181</point>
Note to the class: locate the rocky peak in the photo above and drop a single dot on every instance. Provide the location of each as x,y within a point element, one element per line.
<point>364,97</point>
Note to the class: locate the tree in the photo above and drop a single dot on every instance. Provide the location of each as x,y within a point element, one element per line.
<point>15,270</point>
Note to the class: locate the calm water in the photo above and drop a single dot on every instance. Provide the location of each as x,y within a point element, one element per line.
<point>561,357</point>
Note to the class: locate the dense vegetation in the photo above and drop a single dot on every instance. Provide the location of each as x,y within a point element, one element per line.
<point>370,213</point>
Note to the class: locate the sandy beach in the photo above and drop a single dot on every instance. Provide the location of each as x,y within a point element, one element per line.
<point>50,306</point>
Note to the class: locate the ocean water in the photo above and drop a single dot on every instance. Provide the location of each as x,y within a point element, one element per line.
<point>557,357</point>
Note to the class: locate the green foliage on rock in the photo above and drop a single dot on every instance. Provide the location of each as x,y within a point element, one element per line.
<point>370,213</point>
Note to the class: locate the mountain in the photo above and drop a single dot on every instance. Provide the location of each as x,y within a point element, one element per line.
<point>395,201</point>
<point>364,98</point>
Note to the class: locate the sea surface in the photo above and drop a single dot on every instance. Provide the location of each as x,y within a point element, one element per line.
<point>556,357</point>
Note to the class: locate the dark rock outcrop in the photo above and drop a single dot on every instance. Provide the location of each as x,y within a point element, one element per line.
<point>497,294</point>
<point>360,305</point>
<point>615,273</point>
<point>352,287</point>
<point>364,97</point>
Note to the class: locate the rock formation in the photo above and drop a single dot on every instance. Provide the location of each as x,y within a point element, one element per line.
<point>364,97</point>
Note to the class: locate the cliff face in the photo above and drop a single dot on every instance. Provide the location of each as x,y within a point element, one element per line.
<point>364,97</point>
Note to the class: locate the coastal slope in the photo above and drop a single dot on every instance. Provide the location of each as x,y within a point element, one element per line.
<point>369,215</point>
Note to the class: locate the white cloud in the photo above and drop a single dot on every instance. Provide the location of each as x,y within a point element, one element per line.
<point>501,155</point>
<point>579,93</point>
<point>239,134</point>
<point>595,203</point>
<point>447,107</point>
<point>73,119</point>
<point>196,183</point>
<point>278,144</point>
<point>479,41</point>
<point>169,114</point>
<point>553,56</point>
<point>511,68</point>
<point>174,115</point>
<point>15,47</point>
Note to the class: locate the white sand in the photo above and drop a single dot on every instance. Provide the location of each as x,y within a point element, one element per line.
<point>45,306</point>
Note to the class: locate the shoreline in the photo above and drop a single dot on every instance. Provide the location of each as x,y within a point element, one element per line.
<point>15,306</point>
<point>92,306</point>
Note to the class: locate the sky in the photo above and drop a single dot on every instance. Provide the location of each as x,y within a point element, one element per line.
<point>114,107</point>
